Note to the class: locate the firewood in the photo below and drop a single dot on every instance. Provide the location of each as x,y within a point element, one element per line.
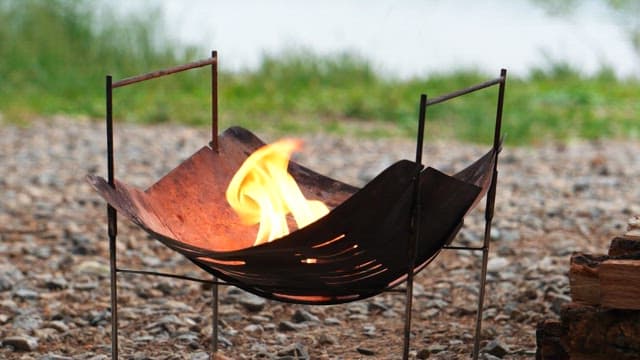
<point>583,278</point>
<point>624,246</point>
<point>593,332</point>
<point>549,334</point>
<point>586,281</point>
<point>620,284</point>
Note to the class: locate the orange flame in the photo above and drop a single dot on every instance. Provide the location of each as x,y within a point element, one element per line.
<point>262,191</point>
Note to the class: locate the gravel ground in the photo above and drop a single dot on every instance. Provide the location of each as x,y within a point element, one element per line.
<point>54,287</point>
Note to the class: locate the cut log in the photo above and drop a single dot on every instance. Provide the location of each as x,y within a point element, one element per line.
<point>583,278</point>
<point>594,333</point>
<point>589,333</point>
<point>624,246</point>
<point>622,281</point>
<point>620,284</point>
<point>549,334</point>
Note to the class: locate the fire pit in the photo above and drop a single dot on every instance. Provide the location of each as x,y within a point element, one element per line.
<point>371,239</point>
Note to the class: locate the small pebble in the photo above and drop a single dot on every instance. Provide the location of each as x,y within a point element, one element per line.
<point>365,351</point>
<point>21,343</point>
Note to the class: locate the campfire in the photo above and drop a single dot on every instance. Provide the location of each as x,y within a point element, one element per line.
<point>243,211</point>
<point>263,192</point>
<point>211,209</point>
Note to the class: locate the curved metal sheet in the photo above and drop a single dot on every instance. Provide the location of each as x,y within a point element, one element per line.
<point>357,250</point>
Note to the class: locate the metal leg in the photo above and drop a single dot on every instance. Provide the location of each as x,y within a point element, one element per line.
<point>489,211</point>
<point>112,223</point>
<point>214,320</point>
<point>407,315</point>
<point>114,296</point>
<point>413,240</point>
<point>483,280</point>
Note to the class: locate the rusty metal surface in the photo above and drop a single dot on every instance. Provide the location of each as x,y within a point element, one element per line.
<point>358,250</point>
<point>164,72</point>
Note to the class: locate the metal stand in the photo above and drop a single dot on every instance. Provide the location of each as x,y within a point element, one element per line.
<point>111,212</point>
<point>415,225</point>
<point>488,215</point>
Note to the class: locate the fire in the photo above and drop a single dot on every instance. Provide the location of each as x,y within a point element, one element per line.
<point>262,191</point>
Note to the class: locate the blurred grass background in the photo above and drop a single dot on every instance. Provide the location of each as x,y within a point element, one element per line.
<point>55,54</point>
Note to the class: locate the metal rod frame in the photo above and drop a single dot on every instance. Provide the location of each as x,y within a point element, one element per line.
<point>416,212</point>
<point>489,213</point>
<point>111,212</point>
<point>415,227</point>
<point>489,208</point>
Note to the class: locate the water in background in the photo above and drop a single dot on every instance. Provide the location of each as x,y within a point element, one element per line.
<point>404,38</point>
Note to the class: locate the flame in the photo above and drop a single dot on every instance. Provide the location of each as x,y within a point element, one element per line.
<point>262,191</point>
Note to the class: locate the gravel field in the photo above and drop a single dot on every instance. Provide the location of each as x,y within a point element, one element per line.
<point>54,269</point>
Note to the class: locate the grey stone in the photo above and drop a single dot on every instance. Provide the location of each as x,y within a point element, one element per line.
<point>332,321</point>
<point>259,319</point>
<point>59,326</point>
<point>21,343</point>
<point>327,339</point>
<point>436,303</point>
<point>144,338</point>
<point>85,286</point>
<point>94,268</point>
<point>293,351</point>
<point>200,355</point>
<point>510,235</point>
<point>42,252</point>
<point>359,307</point>
<point>188,336</point>
<point>495,233</point>
<point>55,357</point>
<point>378,306</point>
<point>290,326</point>
<point>55,283</point>
<point>81,244</point>
<point>358,317</point>
<point>27,294</point>
<point>489,357</point>
<point>282,338</point>
<point>369,330</point>
<point>27,321</point>
<point>252,302</point>
<point>430,313</point>
<point>423,354</point>
<point>98,357</point>
<point>97,318</point>
<point>390,314</point>
<point>302,315</point>
<point>9,276</point>
<point>224,342</point>
<point>496,348</point>
<point>497,264</point>
<point>253,328</point>
<point>365,351</point>
<point>437,348</point>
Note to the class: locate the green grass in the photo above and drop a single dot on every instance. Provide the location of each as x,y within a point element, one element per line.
<point>55,54</point>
